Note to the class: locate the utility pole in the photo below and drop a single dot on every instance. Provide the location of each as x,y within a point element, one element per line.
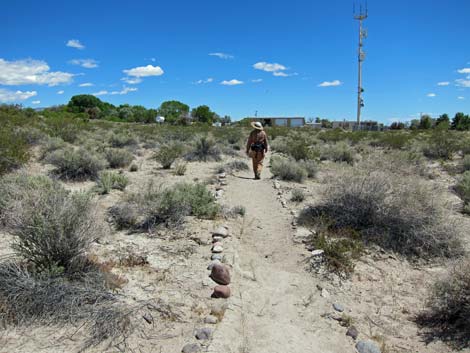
<point>360,16</point>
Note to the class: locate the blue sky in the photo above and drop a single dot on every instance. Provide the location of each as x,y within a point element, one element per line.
<point>267,56</point>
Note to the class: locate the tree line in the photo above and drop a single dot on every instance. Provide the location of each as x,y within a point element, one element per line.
<point>174,112</point>
<point>460,122</point>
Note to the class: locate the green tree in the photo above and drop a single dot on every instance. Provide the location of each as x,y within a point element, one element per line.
<point>397,125</point>
<point>203,114</point>
<point>173,110</point>
<point>443,122</point>
<point>80,103</point>
<point>426,122</point>
<point>461,122</point>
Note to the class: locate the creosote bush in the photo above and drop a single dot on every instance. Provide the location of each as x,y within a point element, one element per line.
<point>205,149</point>
<point>169,206</point>
<point>168,154</point>
<point>447,315</point>
<point>404,216</point>
<point>118,157</point>
<point>71,164</point>
<point>110,180</point>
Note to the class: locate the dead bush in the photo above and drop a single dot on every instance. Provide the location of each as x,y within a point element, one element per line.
<point>407,217</point>
<point>447,316</point>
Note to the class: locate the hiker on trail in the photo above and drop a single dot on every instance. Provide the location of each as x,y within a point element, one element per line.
<point>257,147</point>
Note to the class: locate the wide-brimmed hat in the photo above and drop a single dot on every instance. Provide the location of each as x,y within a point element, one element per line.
<point>257,125</point>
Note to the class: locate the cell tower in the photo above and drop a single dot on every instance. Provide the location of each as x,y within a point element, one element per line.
<point>360,14</point>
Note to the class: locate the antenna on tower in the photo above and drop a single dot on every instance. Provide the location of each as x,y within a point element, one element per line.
<point>360,16</point>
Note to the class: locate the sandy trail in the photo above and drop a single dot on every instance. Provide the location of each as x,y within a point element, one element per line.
<point>276,306</point>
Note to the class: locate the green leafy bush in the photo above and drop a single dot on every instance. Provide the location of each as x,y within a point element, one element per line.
<point>168,154</point>
<point>118,157</point>
<point>110,180</point>
<point>71,164</point>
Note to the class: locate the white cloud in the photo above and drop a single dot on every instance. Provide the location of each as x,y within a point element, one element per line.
<point>461,98</point>
<point>132,80</point>
<point>431,95</point>
<point>222,55</point>
<point>283,74</point>
<point>269,67</point>
<point>462,83</point>
<point>445,83</point>
<point>465,70</point>
<point>100,93</point>
<point>86,63</point>
<point>209,80</point>
<point>330,83</point>
<point>14,96</point>
<point>124,90</point>
<point>30,72</point>
<point>86,84</point>
<point>257,80</point>
<point>36,102</point>
<point>144,71</point>
<point>231,82</point>
<point>60,92</point>
<point>75,43</point>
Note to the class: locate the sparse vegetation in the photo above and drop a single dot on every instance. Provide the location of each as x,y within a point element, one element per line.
<point>205,149</point>
<point>168,154</point>
<point>110,180</point>
<point>180,168</point>
<point>287,169</point>
<point>118,157</point>
<point>297,195</point>
<point>463,190</point>
<point>72,164</point>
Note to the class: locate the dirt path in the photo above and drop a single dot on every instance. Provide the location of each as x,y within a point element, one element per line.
<point>276,306</point>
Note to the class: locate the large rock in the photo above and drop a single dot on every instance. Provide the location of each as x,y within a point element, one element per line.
<point>220,274</point>
<point>367,347</point>
<point>191,348</point>
<point>221,232</point>
<point>221,292</point>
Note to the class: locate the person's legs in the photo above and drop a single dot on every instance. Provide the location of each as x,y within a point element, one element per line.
<point>259,166</point>
<point>255,164</point>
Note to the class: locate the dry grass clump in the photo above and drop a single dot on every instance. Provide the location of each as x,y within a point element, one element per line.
<point>168,154</point>
<point>180,168</point>
<point>405,216</point>
<point>297,195</point>
<point>447,316</point>
<point>205,149</point>
<point>76,164</point>
<point>291,170</point>
<point>157,206</point>
<point>118,157</point>
<point>109,180</point>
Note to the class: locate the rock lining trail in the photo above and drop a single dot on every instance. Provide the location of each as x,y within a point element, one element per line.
<point>276,306</point>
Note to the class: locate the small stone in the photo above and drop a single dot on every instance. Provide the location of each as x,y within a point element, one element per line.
<point>352,332</point>
<point>318,252</point>
<point>221,292</point>
<point>222,176</point>
<point>191,348</point>
<point>217,249</point>
<point>211,319</point>
<point>217,243</point>
<point>367,347</point>
<point>325,293</point>
<point>301,235</point>
<point>217,188</point>
<point>219,257</point>
<point>276,185</point>
<point>212,263</point>
<point>338,307</point>
<point>223,183</point>
<point>203,333</point>
<point>220,274</point>
<point>206,282</point>
<point>219,193</point>
<point>149,318</point>
<point>217,238</point>
<point>221,231</point>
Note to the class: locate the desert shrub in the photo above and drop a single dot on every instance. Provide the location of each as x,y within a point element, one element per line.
<point>118,157</point>
<point>232,135</point>
<point>14,149</point>
<point>168,154</point>
<point>180,168</point>
<point>52,227</point>
<point>110,180</point>
<point>310,167</point>
<point>287,169</point>
<point>391,139</point>
<point>466,163</point>
<point>298,148</point>
<point>120,140</point>
<point>405,216</point>
<point>463,188</point>
<point>339,152</point>
<point>441,144</point>
<point>205,149</point>
<point>280,144</point>
<point>233,166</point>
<point>32,135</point>
<point>71,164</point>
<point>297,195</point>
<point>68,129</point>
<point>164,206</point>
<point>52,144</point>
<point>447,315</point>
<point>239,210</point>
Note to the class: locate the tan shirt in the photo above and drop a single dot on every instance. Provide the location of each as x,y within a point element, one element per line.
<point>257,136</point>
